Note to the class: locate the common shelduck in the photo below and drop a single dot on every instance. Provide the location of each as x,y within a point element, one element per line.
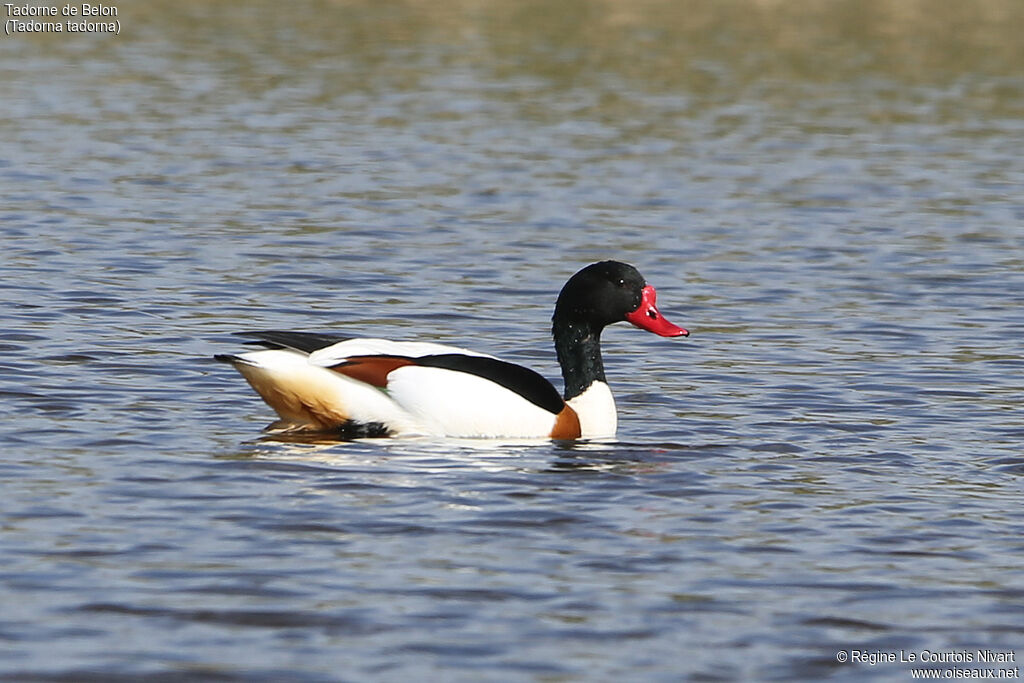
<point>375,387</point>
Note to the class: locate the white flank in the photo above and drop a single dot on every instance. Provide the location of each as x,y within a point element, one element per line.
<point>460,404</point>
<point>596,409</point>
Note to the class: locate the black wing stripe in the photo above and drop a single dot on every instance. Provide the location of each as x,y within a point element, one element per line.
<point>529,384</point>
<point>307,342</point>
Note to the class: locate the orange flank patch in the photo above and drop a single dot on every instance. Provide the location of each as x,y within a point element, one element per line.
<point>567,425</point>
<point>372,370</point>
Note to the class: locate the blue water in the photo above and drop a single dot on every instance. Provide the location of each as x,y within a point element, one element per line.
<point>830,464</point>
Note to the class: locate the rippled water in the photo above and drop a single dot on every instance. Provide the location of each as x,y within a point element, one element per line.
<point>829,200</point>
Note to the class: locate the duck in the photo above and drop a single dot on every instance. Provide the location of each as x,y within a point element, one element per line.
<point>369,388</point>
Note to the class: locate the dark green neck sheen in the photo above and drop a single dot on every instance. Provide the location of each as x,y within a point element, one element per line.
<point>578,346</point>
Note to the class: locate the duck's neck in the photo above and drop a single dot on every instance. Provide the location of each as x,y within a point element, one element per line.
<point>578,346</point>
<point>579,353</point>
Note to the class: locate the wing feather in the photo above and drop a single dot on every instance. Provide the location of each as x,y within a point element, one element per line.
<point>366,346</point>
<point>307,342</point>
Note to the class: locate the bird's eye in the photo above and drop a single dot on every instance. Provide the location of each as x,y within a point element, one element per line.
<point>621,282</point>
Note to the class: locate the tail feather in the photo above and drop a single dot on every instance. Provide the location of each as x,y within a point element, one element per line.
<point>302,395</point>
<point>311,398</point>
<point>230,358</point>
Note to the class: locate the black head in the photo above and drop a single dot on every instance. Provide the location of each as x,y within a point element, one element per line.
<point>609,292</point>
<point>601,294</point>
